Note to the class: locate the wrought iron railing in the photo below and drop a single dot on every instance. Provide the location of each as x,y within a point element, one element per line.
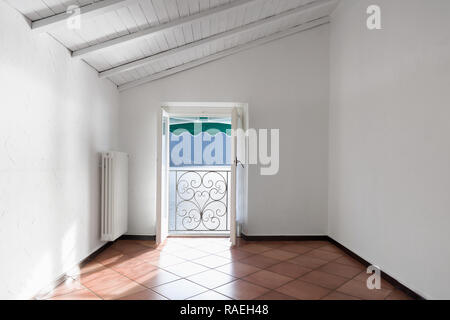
<point>199,200</point>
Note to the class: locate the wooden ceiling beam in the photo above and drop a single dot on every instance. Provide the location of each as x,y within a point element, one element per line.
<point>221,36</point>
<point>87,11</point>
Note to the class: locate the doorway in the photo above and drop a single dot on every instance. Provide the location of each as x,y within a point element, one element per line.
<point>201,190</point>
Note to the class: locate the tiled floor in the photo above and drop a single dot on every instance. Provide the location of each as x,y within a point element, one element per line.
<point>210,269</point>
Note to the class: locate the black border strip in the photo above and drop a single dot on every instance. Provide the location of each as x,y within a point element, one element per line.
<point>384,275</point>
<point>136,237</point>
<point>95,253</point>
<point>284,238</point>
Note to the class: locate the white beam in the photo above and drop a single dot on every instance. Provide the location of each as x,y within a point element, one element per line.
<point>163,27</point>
<point>87,11</point>
<point>251,26</point>
<point>225,53</point>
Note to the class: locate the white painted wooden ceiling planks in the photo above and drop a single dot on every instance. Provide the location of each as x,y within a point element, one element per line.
<point>135,41</point>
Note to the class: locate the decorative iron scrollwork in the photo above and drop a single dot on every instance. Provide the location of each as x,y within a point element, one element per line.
<point>201,201</point>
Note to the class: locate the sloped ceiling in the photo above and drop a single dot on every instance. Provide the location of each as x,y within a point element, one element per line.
<point>132,42</point>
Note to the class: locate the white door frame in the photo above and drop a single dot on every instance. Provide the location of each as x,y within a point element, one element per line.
<point>194,109</point>
<point>161,193</point>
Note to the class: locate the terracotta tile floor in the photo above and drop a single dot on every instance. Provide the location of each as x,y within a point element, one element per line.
<point>210,269</point>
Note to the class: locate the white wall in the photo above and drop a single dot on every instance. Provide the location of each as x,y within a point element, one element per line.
<point>55,116</point>
<point>389,192</point>
<point>285,84</point>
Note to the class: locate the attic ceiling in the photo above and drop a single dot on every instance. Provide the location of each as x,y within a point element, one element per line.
<point>133,42</point>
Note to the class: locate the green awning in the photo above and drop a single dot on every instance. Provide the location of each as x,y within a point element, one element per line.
<point>212,128</point>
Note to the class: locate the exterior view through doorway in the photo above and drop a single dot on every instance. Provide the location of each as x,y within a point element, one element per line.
<point>199,175</point>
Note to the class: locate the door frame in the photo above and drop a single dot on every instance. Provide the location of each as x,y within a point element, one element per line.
<point>160,235</point>
<point>195,109</point>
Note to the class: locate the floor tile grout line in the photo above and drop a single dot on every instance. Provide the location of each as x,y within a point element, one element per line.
<point>158,268</point>
<point>163,268</point>
<point>151,289</point>
<point>79,278</point>
<point>50,294</point>
<point>332,290</point>
<point>238,278</point>
<point>312,270</point>
<point>182,278</point>
<point>108,267</point>
<point>251,254</point>
<point>350,279</point>
<point>186,278</point>
<point>127,254</point>
<point>93,292</point>
<point>213,287</point>
<point>83,288</point>
<point>208,291</point>
<point>298,278</point>
<point>260,269</point>
<point>295,279</point>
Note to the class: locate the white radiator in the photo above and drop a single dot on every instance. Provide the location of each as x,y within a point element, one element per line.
<point>114,201</point>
